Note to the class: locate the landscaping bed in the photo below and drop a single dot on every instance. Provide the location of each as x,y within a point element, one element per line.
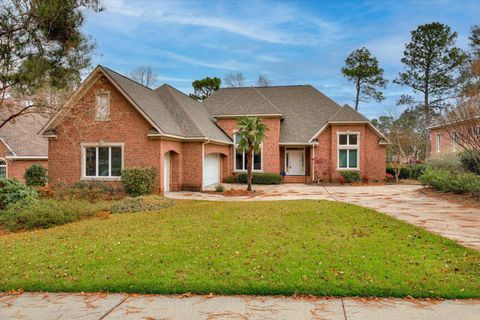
<point>267,248</point>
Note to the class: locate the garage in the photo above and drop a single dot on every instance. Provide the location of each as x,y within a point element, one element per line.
<point>211,169</point>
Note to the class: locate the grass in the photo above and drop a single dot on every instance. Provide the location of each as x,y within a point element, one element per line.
<point>281,247</point>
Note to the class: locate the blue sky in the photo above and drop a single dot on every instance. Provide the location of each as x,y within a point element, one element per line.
<point>291,42</point>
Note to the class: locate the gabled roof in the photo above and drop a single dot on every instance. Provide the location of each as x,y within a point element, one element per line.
<point>248,102</point>
<point>347,114</point>
<point>21,136</point>
<point>170,112</point>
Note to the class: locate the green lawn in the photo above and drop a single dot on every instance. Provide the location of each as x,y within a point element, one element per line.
<point>284,247</point>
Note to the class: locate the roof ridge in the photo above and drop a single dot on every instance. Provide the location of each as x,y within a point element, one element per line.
<point>267,100</point>
<point>229,101</point>
<point>126,77</point>
<point>279,86</point>
<point>184,109</point>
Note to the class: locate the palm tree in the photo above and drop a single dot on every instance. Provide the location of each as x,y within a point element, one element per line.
<point>252,133</point>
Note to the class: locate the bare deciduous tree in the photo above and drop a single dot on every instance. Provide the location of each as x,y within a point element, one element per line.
<point>462,123</point>
<point>234,80</point>
<point>263,81</point>
<point>144,75</point>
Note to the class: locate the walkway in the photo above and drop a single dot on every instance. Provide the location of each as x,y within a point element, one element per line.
<point>404,202</point>
<point>95,306</point>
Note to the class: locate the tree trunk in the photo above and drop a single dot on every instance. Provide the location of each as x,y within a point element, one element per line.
<point>249,167</point>
<point>427,124</point>
<point>357,96</point>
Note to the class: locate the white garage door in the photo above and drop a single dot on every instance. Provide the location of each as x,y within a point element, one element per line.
<point>211,170</point>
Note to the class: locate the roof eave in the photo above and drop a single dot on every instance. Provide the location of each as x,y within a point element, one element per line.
<point>270,115</point>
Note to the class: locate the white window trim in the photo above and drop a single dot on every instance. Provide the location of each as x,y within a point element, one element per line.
<point>304,161</point>
<point>453,138</point>
<point>102,92</point>
<point>348,146</point>
<point>438,138</point>
<point>6,167</point>
<point>83,147</point>
<point>243,159</point>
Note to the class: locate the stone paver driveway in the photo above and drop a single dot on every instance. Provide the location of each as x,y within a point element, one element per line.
<point>404,202</point>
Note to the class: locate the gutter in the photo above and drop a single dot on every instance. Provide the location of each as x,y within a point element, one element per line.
<point>27,157</point>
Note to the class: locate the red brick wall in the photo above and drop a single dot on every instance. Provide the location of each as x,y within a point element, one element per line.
<point>271,148</point>
<point>192,166</point>
<point>16,168</point>
<point>445,143</point>
<point>126,125</point>
<point>372,155</point>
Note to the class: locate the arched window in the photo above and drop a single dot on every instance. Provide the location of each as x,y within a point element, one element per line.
<point>3,168</point>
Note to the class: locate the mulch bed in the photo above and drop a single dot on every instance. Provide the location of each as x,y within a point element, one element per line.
<point>461,199</point>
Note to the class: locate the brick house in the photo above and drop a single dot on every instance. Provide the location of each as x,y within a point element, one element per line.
<point>21,145</point>
<point>112,122</point>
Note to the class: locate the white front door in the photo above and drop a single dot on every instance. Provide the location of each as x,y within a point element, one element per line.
<point>211,169</point>
<point>166,172</point>
<point>295,162</point>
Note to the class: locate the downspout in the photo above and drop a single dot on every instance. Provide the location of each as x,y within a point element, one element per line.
<point>203,160</point>
<point>313,163</point>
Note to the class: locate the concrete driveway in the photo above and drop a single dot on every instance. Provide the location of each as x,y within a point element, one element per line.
<point>404,202</point>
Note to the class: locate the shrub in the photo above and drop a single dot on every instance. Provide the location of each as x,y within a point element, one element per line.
<point>448,162</point>
<point>35,176</point>
<point>350,176</point>
<point>219,188</point>
<point>138,181</point>
<point>470,161</point>
<point>410,171</point>
<point>13,191</point>
<point>230,179</point>
<point>261,178</point>
<point>85,190</point>
<point>138,204</point>
<point>46,213</point>
<point>448,181</point>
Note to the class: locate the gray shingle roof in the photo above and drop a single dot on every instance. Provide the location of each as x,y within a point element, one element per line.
<point>22,136</point>
<point>305,109</point>
<point>171,110</point>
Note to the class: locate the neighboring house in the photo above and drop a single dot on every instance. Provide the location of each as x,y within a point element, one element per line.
<point>21,145</point>
<point>111,123</point>
<point>443,133</point>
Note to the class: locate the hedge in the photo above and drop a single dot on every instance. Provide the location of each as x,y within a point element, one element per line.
<point>411,171</point>
<point>350,176</point>
<point>138,181</point>
<point>261,178</point>
<point>448,181</point>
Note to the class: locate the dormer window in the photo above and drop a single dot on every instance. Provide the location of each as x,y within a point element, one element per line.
<point>102,105</point>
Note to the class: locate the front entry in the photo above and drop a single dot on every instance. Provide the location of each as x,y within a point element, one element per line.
<point>166,172</point>
<point>295,162</point>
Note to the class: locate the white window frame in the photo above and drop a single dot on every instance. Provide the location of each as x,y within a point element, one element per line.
<point>438,140</point>
<point>84,147</point>
<point>5,166</point>
<point>235,145</point>
<point>453,138</point>
<point>348,146</point>
<point>97,116</point>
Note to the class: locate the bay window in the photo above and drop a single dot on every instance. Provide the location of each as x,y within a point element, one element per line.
<point>102,161</point>
<point>348,153</point>
<point>240,161</point>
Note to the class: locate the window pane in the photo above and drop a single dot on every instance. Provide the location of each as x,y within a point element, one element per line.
<point>116,161</point>
<point>90,162</point>
<point>237,138</point>
<point>257,161</point>
<point>343,139</point>
<point>3,171</point>
<point>245,165</point>
<point>103,162</point>
<point>238,160</point>
<point>342,159</point>
<point>352,157</point>
<point>352,139</point>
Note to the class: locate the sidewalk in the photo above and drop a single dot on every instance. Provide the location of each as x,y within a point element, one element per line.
<point>96,306</point>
